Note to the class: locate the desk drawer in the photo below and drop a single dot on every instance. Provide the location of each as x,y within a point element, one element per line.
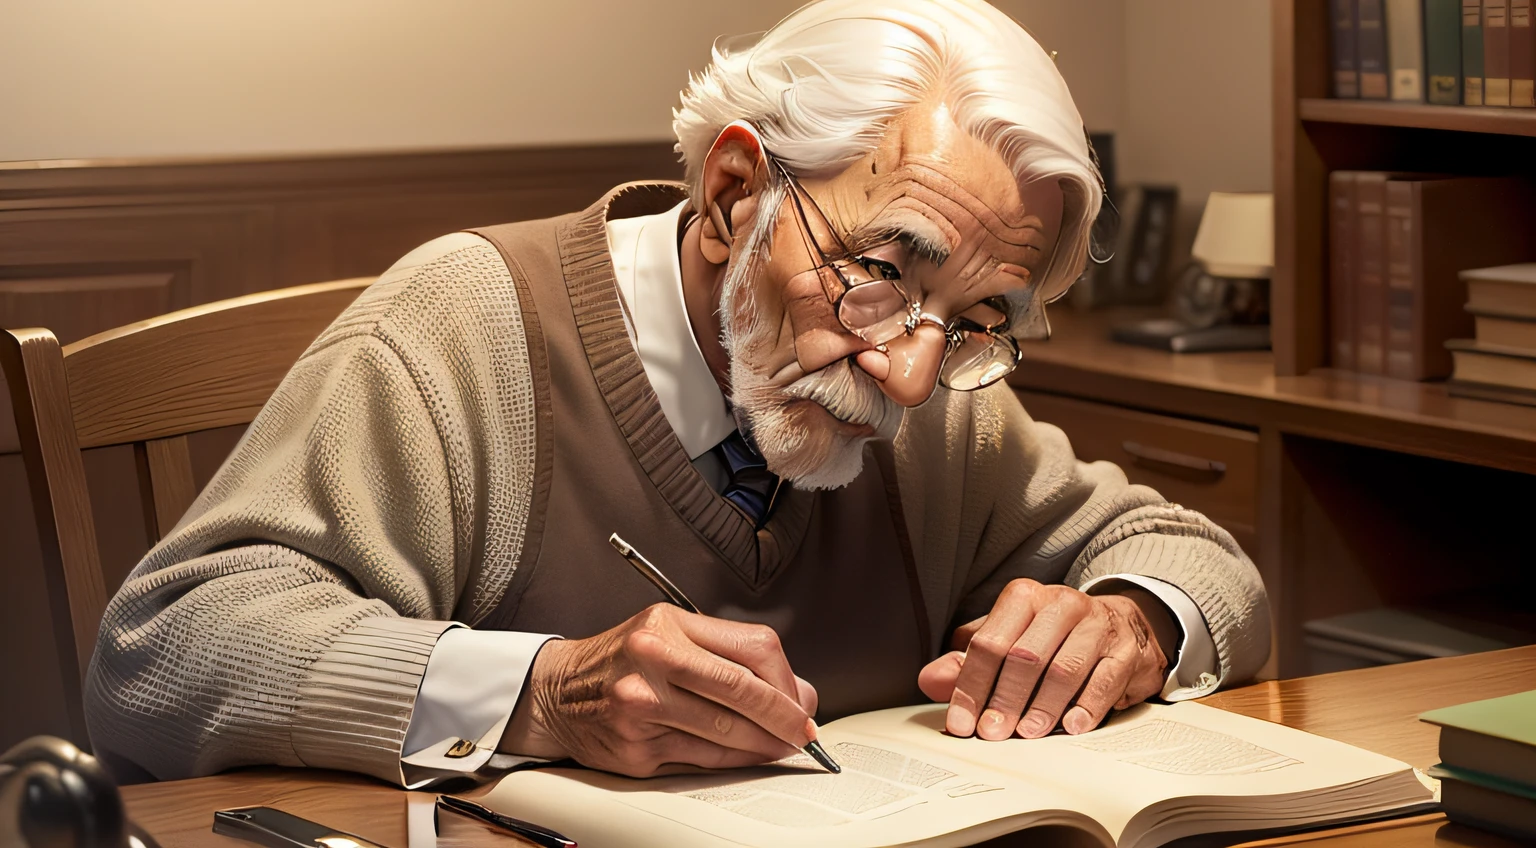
<point>1202,466</point>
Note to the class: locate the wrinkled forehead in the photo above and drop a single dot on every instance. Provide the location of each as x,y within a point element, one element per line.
<point>931,179</point>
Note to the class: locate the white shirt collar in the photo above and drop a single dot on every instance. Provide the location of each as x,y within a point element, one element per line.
<point>650,278</point>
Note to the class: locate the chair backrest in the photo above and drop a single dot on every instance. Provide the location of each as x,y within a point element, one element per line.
<point>148,384</point>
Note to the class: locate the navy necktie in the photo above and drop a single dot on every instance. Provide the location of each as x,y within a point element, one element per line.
<point>753,487</point>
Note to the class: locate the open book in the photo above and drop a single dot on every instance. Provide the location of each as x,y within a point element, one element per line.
<point>1150,775</point>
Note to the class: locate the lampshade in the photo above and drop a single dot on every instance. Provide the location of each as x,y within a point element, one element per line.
<point>1237,235</point>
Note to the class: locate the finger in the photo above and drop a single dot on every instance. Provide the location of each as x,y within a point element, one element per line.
<point>676,752</point>
<point>685,711</point>
<point>1105,688</point>
<point>1064,677</point>
<point>937,679</point>
<point>755,646</point>
<point>964,633</point>
<point>1012,613</point>
<point>806,696</point>
<point>734,686</point>
<point>1026,661</point>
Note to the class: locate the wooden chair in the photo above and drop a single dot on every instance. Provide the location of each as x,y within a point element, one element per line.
<point>148,384</point>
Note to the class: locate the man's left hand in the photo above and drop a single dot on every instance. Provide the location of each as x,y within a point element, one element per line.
<point>1086,653</point>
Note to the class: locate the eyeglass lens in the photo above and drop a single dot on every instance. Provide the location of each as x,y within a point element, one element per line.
<point>874,307</point>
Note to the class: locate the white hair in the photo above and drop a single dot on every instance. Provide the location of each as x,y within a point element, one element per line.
<point>821,86</point>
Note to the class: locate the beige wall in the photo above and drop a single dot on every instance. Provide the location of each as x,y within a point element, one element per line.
<point>87,78</point>
<point>1185,83</point>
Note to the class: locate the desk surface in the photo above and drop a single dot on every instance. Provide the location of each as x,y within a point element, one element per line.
<point>1374,708</point>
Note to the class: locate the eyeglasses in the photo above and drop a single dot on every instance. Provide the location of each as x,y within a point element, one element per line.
<point>872,304</point>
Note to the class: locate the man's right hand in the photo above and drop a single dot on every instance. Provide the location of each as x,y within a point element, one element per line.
<point>665,689</point>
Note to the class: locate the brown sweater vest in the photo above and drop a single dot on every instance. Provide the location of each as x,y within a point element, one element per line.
<point>830,572</point>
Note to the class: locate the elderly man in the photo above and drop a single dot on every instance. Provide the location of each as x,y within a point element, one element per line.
<point>780,382</point>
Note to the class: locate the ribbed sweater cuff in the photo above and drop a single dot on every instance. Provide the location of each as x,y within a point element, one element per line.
<point>355,703</point>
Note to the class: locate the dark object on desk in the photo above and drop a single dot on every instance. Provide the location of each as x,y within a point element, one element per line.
<point>274,828</point>
<point>1174,335</point>
<point>540,836</point>
<point>1388,636</point>
<point>53,795</point>
<point>1137,273</point>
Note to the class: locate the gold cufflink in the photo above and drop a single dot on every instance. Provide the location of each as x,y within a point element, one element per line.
<point>459,749</point>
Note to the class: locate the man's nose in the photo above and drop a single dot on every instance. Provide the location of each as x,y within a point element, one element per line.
<point>908,368</point>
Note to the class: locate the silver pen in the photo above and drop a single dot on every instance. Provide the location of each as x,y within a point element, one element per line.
<point>676,596</point>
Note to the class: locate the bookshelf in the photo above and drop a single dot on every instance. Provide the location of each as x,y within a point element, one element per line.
<point>1368,491</point>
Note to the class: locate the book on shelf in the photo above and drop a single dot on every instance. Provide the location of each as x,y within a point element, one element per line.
<point>1371,47</point>
<point>1497,328</point>
<point>1346,71</point>
<point>1508,290</point>
<point>1522,55</point>
<point>1472,52</point>
<point>1341,272</point>
<point>1436,227</point>
<point>1152,774</point>
<point>1495,52</point>
<point>1405,48</point>
<point>1369,267</point>
<point>1442,51</point>
<point>1488,763</point>
<point>1489,372</point>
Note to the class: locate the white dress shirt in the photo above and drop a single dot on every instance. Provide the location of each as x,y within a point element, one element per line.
<point>474,678</point>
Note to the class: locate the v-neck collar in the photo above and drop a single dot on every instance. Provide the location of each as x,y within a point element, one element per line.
<point>756,555</point>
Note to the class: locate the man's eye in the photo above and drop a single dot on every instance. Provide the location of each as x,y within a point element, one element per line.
<point>879,268</point>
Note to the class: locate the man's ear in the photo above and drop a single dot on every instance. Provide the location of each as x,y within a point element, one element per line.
<point>734,172</point>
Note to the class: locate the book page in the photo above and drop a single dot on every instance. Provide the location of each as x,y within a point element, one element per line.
<point>905,782</point>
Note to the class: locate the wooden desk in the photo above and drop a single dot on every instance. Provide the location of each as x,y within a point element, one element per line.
<point>1373,708</point>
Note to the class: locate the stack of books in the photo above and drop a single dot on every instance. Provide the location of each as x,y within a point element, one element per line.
<point>1499,362</point>
<point>1449,52</point>
<point>1397,242</point>
<point>1487,771</point>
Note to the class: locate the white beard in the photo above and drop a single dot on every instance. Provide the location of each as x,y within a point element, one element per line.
<point>797,446</point>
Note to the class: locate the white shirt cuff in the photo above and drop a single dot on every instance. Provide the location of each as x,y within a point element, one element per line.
<point>468,692</point>
<point>1196,673</point>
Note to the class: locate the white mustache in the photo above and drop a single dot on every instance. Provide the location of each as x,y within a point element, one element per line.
<point>850,395</point>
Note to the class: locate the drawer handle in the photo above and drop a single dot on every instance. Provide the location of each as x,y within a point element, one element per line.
<point>1145,455</point>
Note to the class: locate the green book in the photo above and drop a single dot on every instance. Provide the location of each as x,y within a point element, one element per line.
<point>1496,737</point>
<point>1472,52</point>
<point>1488,802</point>
<point>1442,51</point>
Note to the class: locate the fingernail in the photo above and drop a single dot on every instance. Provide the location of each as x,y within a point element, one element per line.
<point>1077,721</point>
<point>992,726</point>
<point>959,722</point>
<point>1033,726</point>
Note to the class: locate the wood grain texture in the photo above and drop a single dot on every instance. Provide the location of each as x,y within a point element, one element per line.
<point>1376,709</point>
<point>1385,113</point>
<point>34,369</point>
<point>198,368</point>
<point>1242,389</point>
<point>166,487</point>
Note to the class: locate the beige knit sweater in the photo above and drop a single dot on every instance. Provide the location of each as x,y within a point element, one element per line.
<point>383,493</point>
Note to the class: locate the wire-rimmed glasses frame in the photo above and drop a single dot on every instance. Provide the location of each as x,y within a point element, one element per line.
<point>878,309</point>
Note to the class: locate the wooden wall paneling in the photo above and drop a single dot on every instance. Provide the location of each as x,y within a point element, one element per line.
<point>1297,293</point>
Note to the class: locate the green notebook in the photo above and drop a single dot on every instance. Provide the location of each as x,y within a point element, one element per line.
<point>1495,737</point>
<point>1487,802</point>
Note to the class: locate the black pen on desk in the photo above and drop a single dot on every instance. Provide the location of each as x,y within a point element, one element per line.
<point>676,596</point>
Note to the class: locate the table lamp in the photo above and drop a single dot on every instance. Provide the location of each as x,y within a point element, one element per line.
<point>1221,299</point>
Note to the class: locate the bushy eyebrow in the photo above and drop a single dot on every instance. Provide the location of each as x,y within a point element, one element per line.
<point>916,242</point>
